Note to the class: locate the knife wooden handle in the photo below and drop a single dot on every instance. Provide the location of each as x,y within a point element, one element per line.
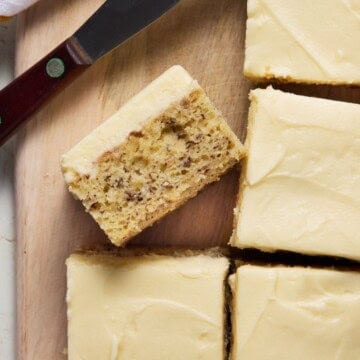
<point>26,93</point>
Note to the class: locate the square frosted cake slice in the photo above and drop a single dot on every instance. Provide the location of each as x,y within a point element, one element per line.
<point>300,190</point>
<point>146,307</point>
<point>303,41</point>
<point>155,153</point>
<point>295,314</point>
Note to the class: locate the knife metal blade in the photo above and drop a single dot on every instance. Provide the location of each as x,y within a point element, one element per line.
<point>115,22</point>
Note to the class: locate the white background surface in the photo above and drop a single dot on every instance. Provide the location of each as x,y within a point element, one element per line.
<point>7,233</point>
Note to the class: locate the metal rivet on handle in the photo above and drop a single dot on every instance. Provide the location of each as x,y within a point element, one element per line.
<point>55,68</point>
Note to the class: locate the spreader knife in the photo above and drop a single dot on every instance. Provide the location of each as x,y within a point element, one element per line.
<point>112,24</point>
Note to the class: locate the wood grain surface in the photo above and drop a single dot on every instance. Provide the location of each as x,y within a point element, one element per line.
<point>204,36</point>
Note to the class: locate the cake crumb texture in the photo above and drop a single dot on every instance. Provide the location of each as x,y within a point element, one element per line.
<point>158,167</point>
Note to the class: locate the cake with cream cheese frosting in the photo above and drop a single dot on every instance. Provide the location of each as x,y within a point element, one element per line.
<point>300,187</point>
<point>303,41</point>
<point>295,313</point>
<point>156,152</point>
<point>146,307</point>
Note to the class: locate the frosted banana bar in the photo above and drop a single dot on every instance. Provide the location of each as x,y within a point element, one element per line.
<point>146,307</point>
<point>300,188</point>
<point>295,314</point>
<point>303,41</point>
<point>159,150</point>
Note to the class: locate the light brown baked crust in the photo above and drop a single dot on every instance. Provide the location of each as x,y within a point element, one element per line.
<point>277,79</point>
<point>242,183</point>
<point>148,251</point>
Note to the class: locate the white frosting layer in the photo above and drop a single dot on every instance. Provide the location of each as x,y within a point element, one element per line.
<point>295,314</point>
<point>148,308</point>
<point>301,191</point>
<point>304,40</point>
<point>171,87</point>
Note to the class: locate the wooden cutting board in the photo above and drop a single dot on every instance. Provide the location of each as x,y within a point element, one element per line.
<point>207,38</point>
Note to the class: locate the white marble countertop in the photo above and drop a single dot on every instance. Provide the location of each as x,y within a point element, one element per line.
<point>7,233</point>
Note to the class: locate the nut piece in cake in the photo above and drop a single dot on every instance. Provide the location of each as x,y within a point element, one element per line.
<point>300,190</point>
<point>146,307</point>
<point>303,41</point>
<point>155,153</point>
<point>295,314</point>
